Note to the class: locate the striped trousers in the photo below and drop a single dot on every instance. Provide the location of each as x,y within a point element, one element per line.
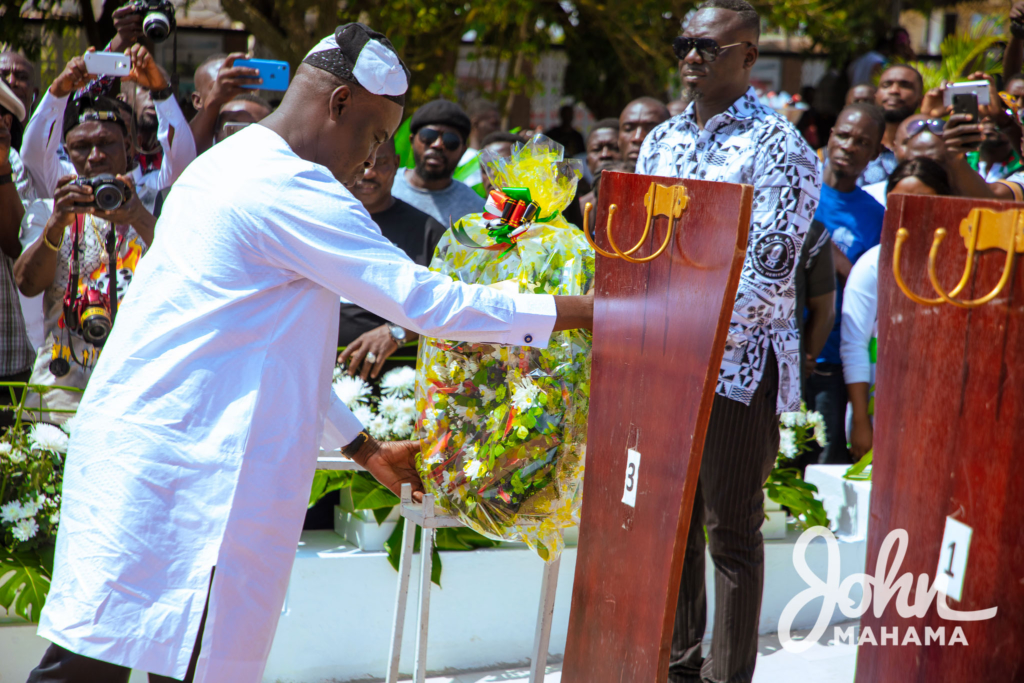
<point>739,453</point>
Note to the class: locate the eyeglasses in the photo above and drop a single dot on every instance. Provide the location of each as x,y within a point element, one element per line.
<point>932,125</point>
<point>707,48</point>
<point>429,136</point>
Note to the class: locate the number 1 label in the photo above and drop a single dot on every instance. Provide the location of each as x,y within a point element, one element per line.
<point>956,541</point>
<point>632,478</point>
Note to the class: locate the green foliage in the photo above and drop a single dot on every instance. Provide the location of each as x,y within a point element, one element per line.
<point>786,487</point>
<point>366,493</point>
<point>861,470</point>
<point>25,581</point>
<point>978,49</point>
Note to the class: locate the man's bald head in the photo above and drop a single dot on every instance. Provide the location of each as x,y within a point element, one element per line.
<point>637,120</point>
<point>334,122</point>
<point>19,74</point>
<point>923,143</point>
<point>205,77</point>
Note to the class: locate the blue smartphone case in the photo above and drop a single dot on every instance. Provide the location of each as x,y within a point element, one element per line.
<point>274,74</point>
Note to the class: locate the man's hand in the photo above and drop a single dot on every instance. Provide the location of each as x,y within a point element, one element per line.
<point>145,71</point>
<point>392,463</point>
<point>810,364</point>
<point>574,312</point>
<point>377,341</point>
<point>862,437</point>
<point>230,80</point>
<point>74,76</point>
<point>932,104</point>
<point>68,199</point>
<point>962,134</point>
<point>128,23</point>
<point>1017,11</point>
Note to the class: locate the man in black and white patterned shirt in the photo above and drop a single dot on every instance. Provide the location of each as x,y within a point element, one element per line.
<point>726,135</point>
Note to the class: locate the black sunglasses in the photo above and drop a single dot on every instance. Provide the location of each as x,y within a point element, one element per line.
<point>707,48</point>
<point>918,125</point>
<point>451,141</point>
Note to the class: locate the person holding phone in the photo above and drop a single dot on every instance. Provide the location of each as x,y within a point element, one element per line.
<point>46,159</point>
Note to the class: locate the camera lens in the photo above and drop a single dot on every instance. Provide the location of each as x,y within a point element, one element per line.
<point>108,197</point>
<point>95,325</point>
<point>156,26</point>
<point>59,367</point>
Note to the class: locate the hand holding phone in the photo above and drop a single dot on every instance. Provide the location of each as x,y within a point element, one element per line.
<point>273,73</point>
<point>108,63</point>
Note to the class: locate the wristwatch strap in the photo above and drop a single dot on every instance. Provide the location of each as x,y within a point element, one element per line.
<point>160,95</point>
<point>6,178</point>
<point>357,443</point>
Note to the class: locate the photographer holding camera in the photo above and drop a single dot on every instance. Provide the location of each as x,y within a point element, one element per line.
<point>94,219</point>
<point>46,161</point>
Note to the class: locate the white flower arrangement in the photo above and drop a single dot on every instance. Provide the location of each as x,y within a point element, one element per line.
<point>388,417</point>
<point>46,437</point>
<point>25,529</point>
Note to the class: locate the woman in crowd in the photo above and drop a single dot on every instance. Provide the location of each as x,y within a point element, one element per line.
<point>858,348</point>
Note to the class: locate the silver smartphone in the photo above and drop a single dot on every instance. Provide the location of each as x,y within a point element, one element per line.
<point>977,88</point>
<point>108,63</point>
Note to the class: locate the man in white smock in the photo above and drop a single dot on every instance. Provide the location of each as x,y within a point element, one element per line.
<point>194,443</point>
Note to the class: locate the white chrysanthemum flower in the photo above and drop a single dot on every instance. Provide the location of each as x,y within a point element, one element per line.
<point>524,393</point>
<point>69,425</point>
<point>48,438</point>
<point>11,512</point>
<point>352,391</point>
<point>815,419</point>
<point>363,414</point>
<point>338,372</point>
<point>17,456</point>
<point>55,517</point>
<point>25,529</point>
<point>407,409</point>
<point>487,394</point>
<point>473,469</point>
<point>472,367</point>
<point>32,507</point>
<point>800,418</point>
<point>379,427</point>
<point>5,448</point>
<point>399,382</point>
<point>402,428</point>
<point>788,419</point>
<point>390,406</point>
<point>787,443</point>
<point>435,458</point>
<point>819,435</point>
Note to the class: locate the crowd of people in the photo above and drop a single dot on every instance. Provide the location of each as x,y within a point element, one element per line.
<point>88,166</point>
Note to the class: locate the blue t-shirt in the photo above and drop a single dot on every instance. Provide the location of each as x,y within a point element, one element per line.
<point>854,220</point>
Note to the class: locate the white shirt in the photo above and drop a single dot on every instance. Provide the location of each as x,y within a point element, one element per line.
<point>752,144</point>
<point>47,162</point>
<point>860,319</point>
<point>196,439</point>
<point>877,190</point>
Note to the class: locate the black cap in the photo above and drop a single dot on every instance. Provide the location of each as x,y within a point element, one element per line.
<point>89,107</point>
<point>358,53</point>
<point>443,112</point>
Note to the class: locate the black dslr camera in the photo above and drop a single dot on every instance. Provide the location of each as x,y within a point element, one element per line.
<point>158,18</point>
<point>108,192</point>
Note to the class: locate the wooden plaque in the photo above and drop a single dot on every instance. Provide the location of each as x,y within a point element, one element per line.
<point>949,443</point>
<point>659,335</point>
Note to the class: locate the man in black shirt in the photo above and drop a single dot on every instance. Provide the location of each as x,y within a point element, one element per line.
<point>371,338</point>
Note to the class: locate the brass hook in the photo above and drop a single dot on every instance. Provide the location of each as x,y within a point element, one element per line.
<point>901,236</point>
<point>940,235</point>
<point>660,201</point>
<point>586,231</point>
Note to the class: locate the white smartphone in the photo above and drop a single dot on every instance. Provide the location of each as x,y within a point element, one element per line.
<point>977,88</point>
<point>108,63</point>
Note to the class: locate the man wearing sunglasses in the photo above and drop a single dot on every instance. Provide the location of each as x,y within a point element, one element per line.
<point>439,132</point>
<point>726,135</point>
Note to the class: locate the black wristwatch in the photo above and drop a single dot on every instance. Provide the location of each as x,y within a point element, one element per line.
<point>160,95</point>
<point>357,443</point>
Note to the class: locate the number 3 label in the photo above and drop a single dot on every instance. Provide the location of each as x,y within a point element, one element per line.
<point>632,478</point>
<point>956,541</point>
